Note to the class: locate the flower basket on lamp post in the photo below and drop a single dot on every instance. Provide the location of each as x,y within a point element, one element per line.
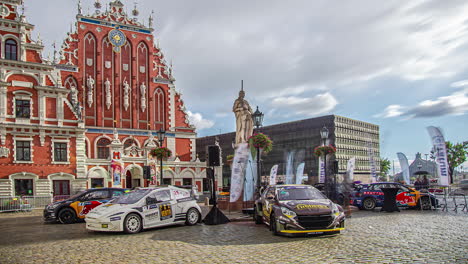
<point>261,141</point>
<point>327,149</point>
<point>161,153</point>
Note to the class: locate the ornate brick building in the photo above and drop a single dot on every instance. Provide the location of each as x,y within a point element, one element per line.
<point>89,116</point>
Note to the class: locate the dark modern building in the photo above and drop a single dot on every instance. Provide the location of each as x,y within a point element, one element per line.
<point>294,142</point>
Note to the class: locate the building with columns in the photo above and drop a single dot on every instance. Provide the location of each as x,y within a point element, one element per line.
<point>88,116</point>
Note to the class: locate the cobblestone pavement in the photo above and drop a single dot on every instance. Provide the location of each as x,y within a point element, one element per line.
<point>371,237</point>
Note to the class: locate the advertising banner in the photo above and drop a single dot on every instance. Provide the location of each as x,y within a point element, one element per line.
<point>250,178</point>
<point>350,169</point>
<point>237,174</point>
<point>370,152</point>
<point>117,168</point>
<point>273,172</point>
<point>300,173</point>
<point>441,154</point>
<point>404,167</point>
<point>321,170</point>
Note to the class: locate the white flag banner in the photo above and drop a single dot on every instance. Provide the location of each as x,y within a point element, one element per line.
<point>321,170</point>
<point>250,178</point>
<point>370,152</point>
<point>404,167</point>
<point>237,175</point>
<point>273,172</point>
<point>350,168</point>
<point>441,155</point>
<point>299,173</point>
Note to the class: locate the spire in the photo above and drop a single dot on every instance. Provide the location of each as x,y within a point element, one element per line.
<point>80,8</point>
<point>150,19</point>
<point>242,85</point>
<point>98,6</point>
<point>135,11</point>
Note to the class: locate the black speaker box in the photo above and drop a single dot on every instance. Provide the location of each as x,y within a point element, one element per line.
<point>212,156</point>
<point>146,172</point>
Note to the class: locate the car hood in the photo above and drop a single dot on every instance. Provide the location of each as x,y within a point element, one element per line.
<point>109,209</point>
<point>309,207</point>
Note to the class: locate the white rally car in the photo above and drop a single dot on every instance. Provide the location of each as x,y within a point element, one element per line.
<point>145,208</point>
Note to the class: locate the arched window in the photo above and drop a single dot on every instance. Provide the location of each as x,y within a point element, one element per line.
<point>159,112</point>
<point>11,49</point>
<point>129,142</point>
<point>103,148</point>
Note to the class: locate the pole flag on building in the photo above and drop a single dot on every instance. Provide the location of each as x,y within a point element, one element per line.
<point>350,168</point>
<point>273,172</point>
<point>370,152</point>
<point>237,175</point>
<point>321,170</point>
<point>404,167</point>
<point>250,178</point>
<point>299,173</point>
<point>441,154</point>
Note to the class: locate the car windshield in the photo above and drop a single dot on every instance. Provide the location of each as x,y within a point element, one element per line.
<point>131,197</point>
<point>299,193</point>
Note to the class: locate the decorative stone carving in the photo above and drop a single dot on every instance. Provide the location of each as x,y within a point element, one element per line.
<point>73,94</point>
<point>4,152</point>
<point>90,86</point>
<point>143,96</point>
<point>126,89</point>
<point>107,86</point>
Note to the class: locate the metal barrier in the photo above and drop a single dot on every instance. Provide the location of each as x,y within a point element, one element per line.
<point>450,198</point>
<point>23,203</point>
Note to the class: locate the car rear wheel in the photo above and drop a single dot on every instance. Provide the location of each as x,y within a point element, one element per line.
<point>193,217</point>
<point>368,204</point>
<point>257,219</point>
<point>132,224</point>
<point>273,227</point>
<point>424,203</point>
<point>67,216</point>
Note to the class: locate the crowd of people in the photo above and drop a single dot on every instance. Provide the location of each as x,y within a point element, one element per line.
<point>421,183</point>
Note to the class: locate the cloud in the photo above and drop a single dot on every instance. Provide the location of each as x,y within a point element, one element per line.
<point>391,111</point>
<point>305,106</point>
<point>198,121</point>
<point>454,104</point>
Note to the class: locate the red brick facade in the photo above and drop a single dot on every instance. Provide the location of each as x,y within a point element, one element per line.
<point>96,98</point>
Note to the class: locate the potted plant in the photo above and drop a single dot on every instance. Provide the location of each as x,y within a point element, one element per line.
<point>161,152</point>
<point>229,159</point>
<point>261,141</point>
<point>327,149</point>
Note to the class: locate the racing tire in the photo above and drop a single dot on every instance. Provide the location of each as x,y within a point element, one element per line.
<point>67,216</point>
<point>368,204</point>
<point>257,219</point>
<point>424,203</point>
<point>193,217</point>
<point>132,224</point>
<point>273,227</point>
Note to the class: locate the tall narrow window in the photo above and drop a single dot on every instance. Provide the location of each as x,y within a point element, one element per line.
<point>23,150</point>
<point>60,151</point>
<point>11,49</point>
<point>103,148</point>
<point>23,108</point>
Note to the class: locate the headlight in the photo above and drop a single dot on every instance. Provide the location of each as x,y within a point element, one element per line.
<point>335,210</point>
<point>287,212</point>
<point>52,206</point>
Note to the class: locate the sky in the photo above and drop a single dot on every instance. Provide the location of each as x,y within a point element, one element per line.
<point>399,64</point>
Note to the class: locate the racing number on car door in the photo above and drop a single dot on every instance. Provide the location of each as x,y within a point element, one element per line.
<point>165,204</point>
<point>165,211</point>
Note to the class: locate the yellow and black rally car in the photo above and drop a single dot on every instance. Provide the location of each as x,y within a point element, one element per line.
<point>76,207</point>
<point>298,209</point>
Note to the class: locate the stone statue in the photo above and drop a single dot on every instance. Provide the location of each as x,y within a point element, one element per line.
<point>143,96</point>
<point>107,85</point>
<point>126,89</point>
<point>244,122</point>
<point>90,84</point>
<point>73,94</point>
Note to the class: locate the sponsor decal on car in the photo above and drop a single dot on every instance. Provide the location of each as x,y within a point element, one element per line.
<point>152,216</point>
<point>166,211</point>
<point>310,206</point>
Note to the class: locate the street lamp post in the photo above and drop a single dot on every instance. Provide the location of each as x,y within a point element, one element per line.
<point>257,117</point>
<point>324,135</point>
<point>161,135</point>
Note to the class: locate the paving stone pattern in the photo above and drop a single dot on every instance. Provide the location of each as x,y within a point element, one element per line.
<point>371,237</point>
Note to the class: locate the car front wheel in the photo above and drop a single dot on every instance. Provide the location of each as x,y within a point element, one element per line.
<point>273,227</point>
<point>368,204</point>
<point>425,203</point>
<point>193,216</point>
<point>67,216</point>
<point>132,224</point>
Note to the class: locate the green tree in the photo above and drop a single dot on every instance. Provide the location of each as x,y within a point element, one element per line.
<point>385,166</point>
<point>456,155</point>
